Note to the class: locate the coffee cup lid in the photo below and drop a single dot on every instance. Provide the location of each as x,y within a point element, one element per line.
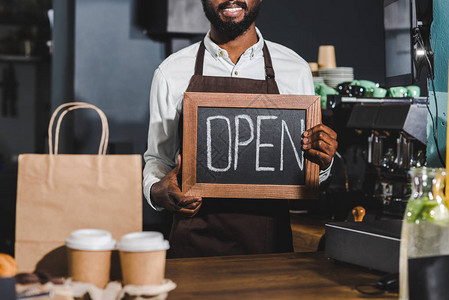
<point>143,241</point>
<point>90,239</point>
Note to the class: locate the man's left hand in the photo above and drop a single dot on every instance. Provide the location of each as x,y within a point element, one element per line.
<point>320,144</point>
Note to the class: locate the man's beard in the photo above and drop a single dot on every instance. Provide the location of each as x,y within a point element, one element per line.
<point>228,28</point>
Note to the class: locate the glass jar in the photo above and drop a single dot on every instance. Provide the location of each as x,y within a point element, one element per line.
<point>425,228</point>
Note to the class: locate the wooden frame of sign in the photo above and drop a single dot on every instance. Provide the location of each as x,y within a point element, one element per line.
<point>193,102</point>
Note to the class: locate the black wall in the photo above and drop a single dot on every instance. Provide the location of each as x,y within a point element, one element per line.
<point>354,27</point>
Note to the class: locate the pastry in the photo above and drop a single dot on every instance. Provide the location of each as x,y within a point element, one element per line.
<point>8,266</point>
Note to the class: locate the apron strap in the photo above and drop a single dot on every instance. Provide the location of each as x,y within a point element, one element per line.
<point>269,71</point>
<point>200,59</point>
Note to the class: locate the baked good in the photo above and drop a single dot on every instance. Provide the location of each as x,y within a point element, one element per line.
<point>8,266</point>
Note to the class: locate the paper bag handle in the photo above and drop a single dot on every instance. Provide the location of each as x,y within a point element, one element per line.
<point>72,106</point>
<point>104,127</point>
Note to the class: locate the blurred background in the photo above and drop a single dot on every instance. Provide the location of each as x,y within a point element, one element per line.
<point>105,52</point>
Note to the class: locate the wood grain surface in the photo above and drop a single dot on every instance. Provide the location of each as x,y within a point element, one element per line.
<point>269,276</point>
<point>307,232</point>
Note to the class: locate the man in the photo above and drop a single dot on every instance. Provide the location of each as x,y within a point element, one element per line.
<point>232,58</point>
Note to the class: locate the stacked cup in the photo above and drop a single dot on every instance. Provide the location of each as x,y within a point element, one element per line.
<point>326,57</point>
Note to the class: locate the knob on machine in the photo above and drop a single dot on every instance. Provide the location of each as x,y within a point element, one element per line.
<point>359,213</point>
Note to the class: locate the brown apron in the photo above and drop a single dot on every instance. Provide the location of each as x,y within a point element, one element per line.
<point>232,226</point>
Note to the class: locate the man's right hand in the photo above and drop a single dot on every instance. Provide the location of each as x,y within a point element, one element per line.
<point>167,194</point>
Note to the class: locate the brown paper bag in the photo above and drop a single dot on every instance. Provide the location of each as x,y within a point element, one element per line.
<point>57,194</point>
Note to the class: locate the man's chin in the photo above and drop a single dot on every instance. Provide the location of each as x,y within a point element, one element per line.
<point>232,20</point>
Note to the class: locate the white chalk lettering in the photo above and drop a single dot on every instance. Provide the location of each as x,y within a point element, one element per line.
<point>259,145</point>
<point>303,126</point>
<point>299,160</point>
<point>209,144</point>
<point>237,136</point>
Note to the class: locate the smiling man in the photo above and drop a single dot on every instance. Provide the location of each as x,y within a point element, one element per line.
<point>232,58</point>
<point>236,17</point>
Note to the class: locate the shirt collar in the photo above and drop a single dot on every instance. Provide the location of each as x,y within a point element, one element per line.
<point>253,51</point>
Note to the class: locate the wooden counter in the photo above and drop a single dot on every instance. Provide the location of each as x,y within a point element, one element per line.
<point>306,232</point>
<point>268,276</point>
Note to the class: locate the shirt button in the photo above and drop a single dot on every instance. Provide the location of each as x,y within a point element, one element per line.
<point>252,55</point>
<point>221,53</point>
<point>216,55</point>
<point>236,73</point>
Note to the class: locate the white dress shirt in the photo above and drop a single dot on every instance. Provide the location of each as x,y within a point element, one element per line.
<point>172,77</point>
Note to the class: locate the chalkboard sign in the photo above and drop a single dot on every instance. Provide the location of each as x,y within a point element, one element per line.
<point>248,146</point>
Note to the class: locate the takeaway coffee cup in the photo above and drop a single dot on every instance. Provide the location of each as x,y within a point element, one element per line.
<point>89,256</point>
<point>142,258</point>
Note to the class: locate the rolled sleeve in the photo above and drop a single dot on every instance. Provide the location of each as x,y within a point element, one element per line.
<point>324,174</point>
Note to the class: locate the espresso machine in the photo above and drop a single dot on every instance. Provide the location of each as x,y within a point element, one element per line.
<point>395,134</point>
<point>392,136</point>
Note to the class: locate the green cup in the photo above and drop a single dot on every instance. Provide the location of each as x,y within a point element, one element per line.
<point>413,91</point>
<point>379,92</point>
<point>369,87</point>
<point>355,82</point>
<point>318,86</point>
<point>398,92</point>
<point>369,92</point>
<point>367,84</point>
<point>326,90</point>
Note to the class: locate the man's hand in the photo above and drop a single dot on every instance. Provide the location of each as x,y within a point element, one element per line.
<point>320,144</point>
<point>167,194</point>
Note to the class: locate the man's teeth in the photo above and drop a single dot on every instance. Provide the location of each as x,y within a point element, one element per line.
<point>233,9</point>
